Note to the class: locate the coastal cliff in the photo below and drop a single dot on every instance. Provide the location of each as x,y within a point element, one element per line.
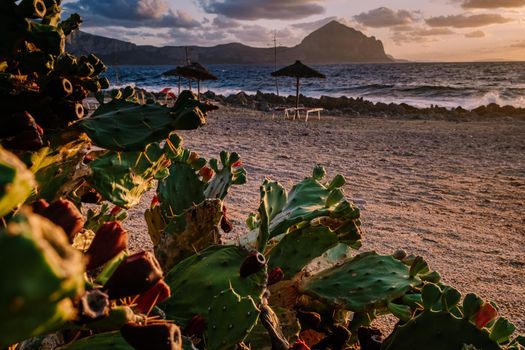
<point>332,43</point>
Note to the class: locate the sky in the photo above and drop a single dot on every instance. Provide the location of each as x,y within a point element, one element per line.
<point>416,30</point>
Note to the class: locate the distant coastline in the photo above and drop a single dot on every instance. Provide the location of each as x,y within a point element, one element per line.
<point>331,44</point>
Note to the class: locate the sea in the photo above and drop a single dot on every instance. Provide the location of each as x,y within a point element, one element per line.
<point>448,85</point>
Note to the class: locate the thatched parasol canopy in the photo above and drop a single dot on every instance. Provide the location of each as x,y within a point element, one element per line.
<point>298,70</point>
<point>192,71</point>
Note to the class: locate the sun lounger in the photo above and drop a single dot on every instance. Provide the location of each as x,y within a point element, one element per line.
<point>297,112</point>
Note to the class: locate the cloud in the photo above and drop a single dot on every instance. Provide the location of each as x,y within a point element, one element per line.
<point>475,34</point>
<point>418,35</point>
<point>222,22</point>
<point>131,14</point>
<point>519,45</point>
<point>466,21</point>
<point>385,17</point>
<point>432,32</point>
<point>492,4</point>
<point>263,9</point>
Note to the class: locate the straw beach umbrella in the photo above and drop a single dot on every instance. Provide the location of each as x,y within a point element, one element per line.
<point>298,70</point>
<point>192,71</point>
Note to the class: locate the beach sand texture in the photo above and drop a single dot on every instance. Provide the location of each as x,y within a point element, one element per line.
<point>453,192</point>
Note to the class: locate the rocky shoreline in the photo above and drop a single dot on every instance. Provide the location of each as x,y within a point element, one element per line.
<point>361,107</point>
<point>354,107</point>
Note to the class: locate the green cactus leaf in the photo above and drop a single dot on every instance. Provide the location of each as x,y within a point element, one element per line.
<point>43,271</point>
<point>430,294</point>
<point>502,330</point>
<point>309,201</point>
<point>318,173</point>
<point>366,282</point>
<point>225,177</point>
<point>196,280</point>
<point>230,319</point>
<point>55,169</point>
<point>403,312</point>
<point>122,178</point>
<point>438,330</point>
<point>471,305</point>
<point>180,190</point>
<point>298,248</point>
<point>450,298</point>
<point>102,341</point>
<point>121,125</point>
<point>16,182</point>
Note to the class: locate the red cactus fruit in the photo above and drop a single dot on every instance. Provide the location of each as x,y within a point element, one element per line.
<point>66,215</point>
<point>252,264</point>
<point>155,201</point>
<point>116,209</point>
<point>486,313</point>
<point>206,173</point>
<point>237,164</point>
<point>156,294</point>
<point>299,345</point>
<point>195,327</point>
<point>110,239</point>
<point>276,275</point>
<point>135,275</point>
<point>155,336</point>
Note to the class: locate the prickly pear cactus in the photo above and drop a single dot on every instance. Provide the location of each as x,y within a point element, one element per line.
<point>57,169</point>
<point>43,272</point>
<point>196,280</point>
<point>299,247</point>
<point>123,177</point>
<point>191,206</point>
<point>121,125</point>
<point>309,202</point>
<point>230,319</point>
<point>366,282</point>
<point>446,323</point>
<point>230,173</point>
<point>16,182</point>
<point>192,231</point>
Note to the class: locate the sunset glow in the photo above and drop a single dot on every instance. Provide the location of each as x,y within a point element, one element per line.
<point>429,30</point>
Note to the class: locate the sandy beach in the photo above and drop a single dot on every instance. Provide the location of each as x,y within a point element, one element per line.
<point>451,191</point>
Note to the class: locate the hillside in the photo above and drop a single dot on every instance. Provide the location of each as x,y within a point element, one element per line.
<point>332,43</point>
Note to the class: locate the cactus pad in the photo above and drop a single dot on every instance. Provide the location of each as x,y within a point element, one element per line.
<point>42,271</point>
<point>309,202</point>
<point>192,231</point>
<point>122,178</point>
<point>299,247</point>
<point>366,282</point>
<point>121,125</point>
<point>438,330</point>
<point>196,280</point>
<point>16,182</point>
<point>230,319</point>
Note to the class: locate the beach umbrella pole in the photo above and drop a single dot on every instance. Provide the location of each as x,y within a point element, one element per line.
<point>297,100</point>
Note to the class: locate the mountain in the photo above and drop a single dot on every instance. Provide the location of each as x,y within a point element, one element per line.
<point>332,43</point>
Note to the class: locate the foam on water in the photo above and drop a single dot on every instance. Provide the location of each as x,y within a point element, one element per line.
<point>449,85</point>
